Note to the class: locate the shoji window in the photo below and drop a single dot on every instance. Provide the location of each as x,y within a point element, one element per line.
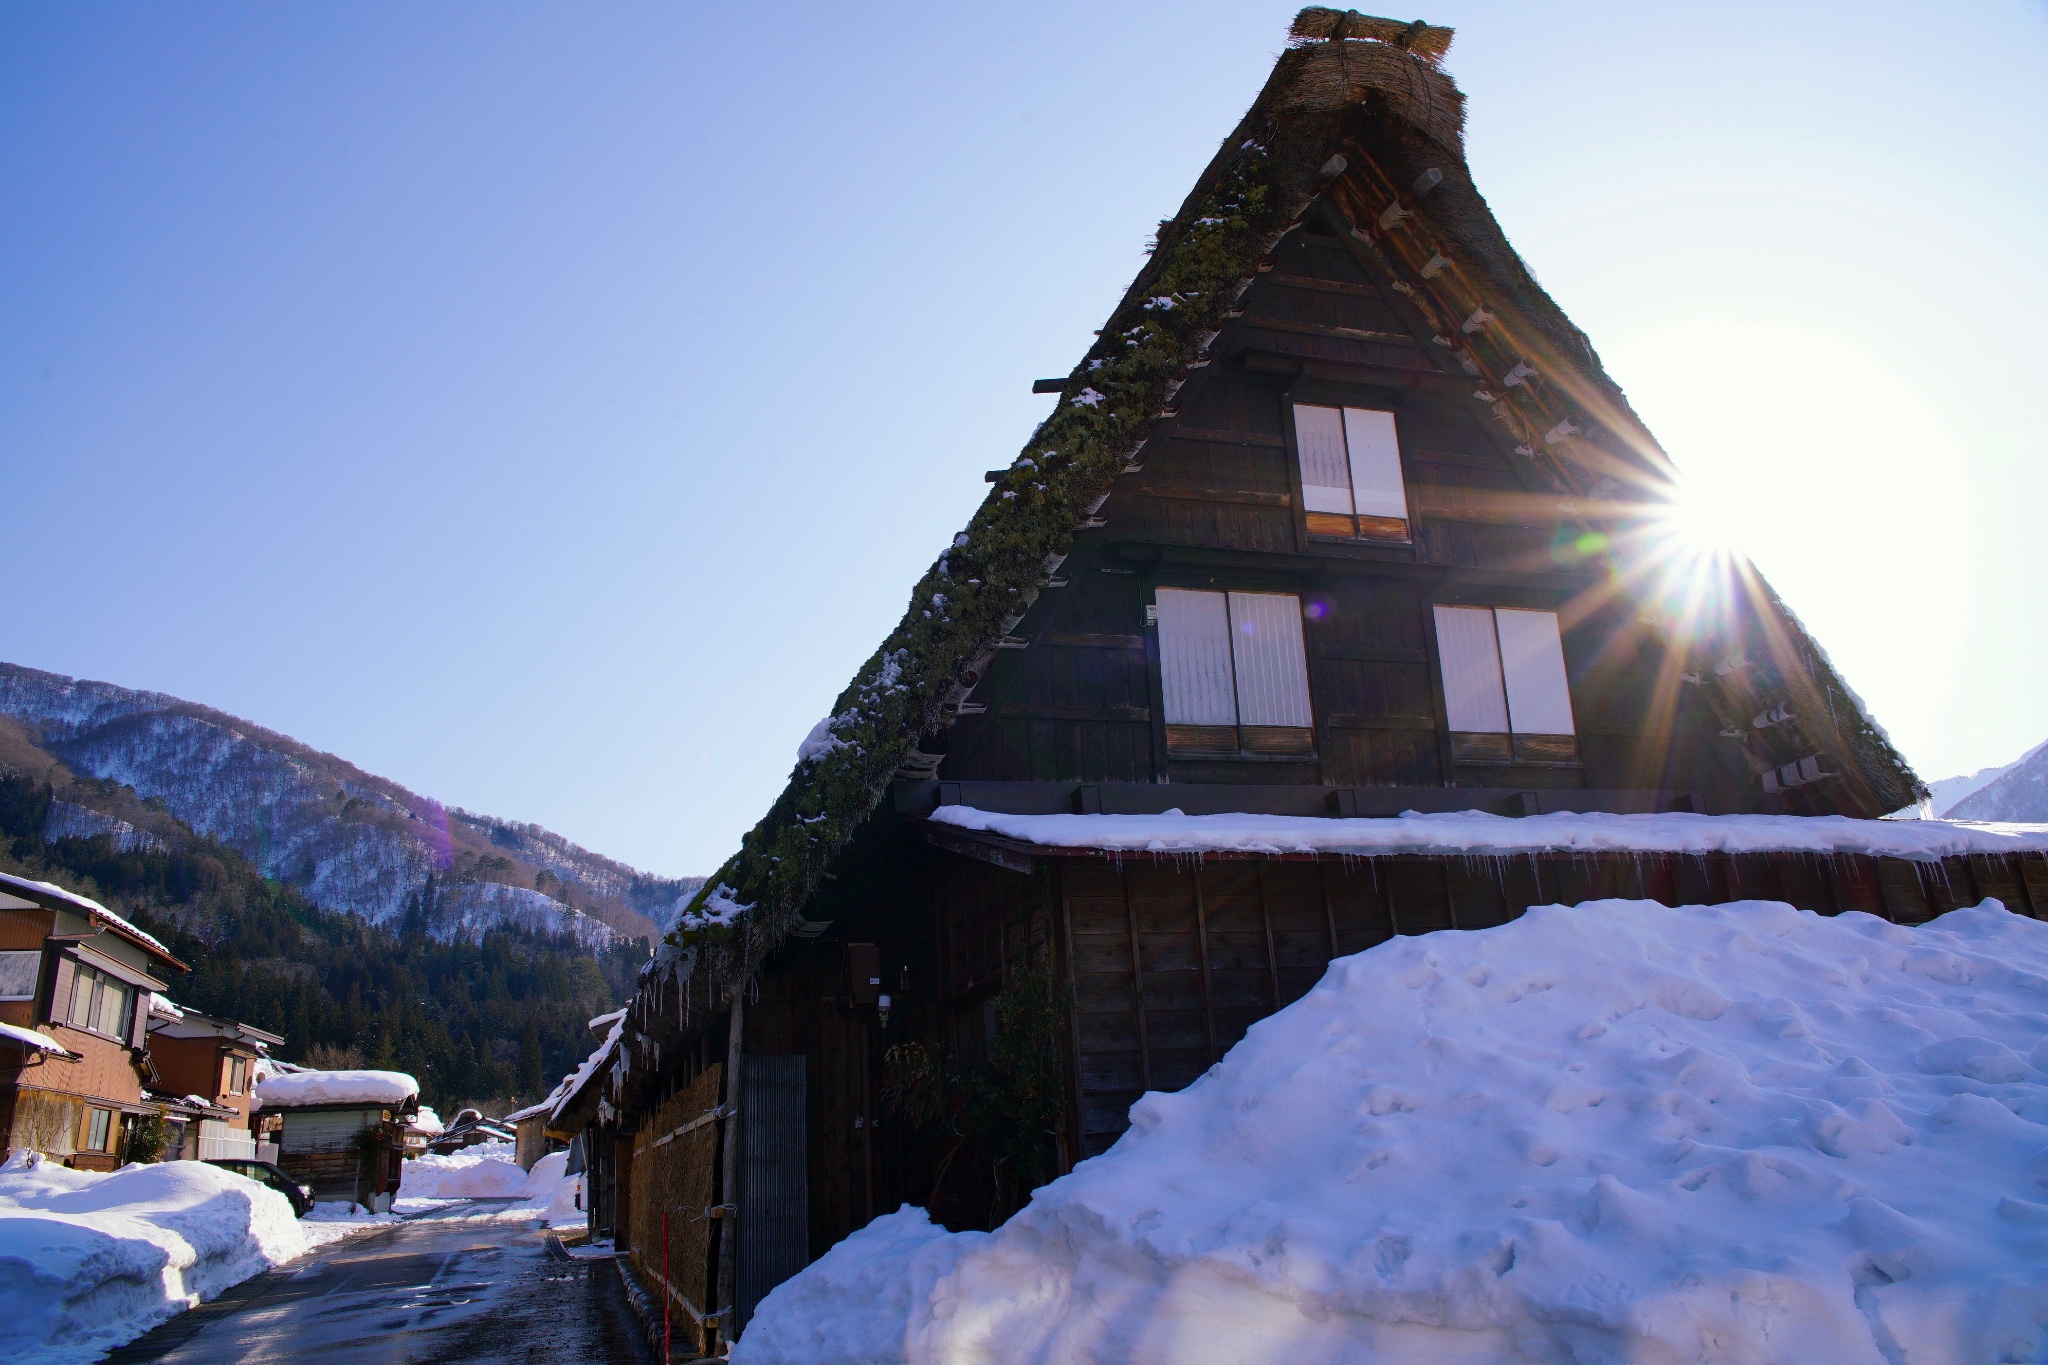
<point>1234,674</point>
<point>1351,473</point>
<point>1505,691</point>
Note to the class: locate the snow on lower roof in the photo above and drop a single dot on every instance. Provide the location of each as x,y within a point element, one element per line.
<point>576,1079</point>
<point>33,1039</point>
<point>1612,1132</point>
<point>1480,833</point>
<point>336,1087</point>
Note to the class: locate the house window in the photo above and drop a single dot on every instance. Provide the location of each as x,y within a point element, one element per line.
<point>99,1003</point>
<point>1234,674</point>
<point>1505,690</point>
<point>238,1075</point>
<point>99,1130</point>
<point>19,971</point>
<point>1351,473</point>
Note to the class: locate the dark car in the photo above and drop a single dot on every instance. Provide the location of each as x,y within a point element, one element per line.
<point>263,1173</point>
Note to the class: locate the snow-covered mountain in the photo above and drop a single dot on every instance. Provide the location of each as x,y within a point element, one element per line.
<point>1949,790</point>
<point>2018,792</point>
<point>347,839</point>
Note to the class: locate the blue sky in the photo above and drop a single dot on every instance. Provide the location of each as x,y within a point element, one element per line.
<point>549,406</point>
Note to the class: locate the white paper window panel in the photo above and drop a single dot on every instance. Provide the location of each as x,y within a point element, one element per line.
<point>1470,655</point>
<point>1194,658</point>
<point>1376,488</point>
<point>1325,470</point>
<point>18,974</point>
<point>1272,662</point>
<point>1532,660</point>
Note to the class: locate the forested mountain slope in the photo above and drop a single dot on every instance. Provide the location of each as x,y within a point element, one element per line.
<point>348,840</point>
<point>491,1018</point>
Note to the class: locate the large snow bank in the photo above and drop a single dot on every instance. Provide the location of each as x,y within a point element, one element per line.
<point>1742,1133</point>
<point>485,1171</point>
<point>336,1087</point>
<point>88,1261</point>
<point>489,1171</point>
<point>1480,833</point>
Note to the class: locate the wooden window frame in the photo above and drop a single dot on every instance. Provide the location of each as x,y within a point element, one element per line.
<point>1511,748</point>
<point>1236,742</point>
<point>1354,527</point>
<point>97,983</point>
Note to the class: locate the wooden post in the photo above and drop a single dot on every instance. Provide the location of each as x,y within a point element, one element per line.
<point>1137,982</point>
<point>728,1297</point>
<point>1266,923</point>
<point>1202,945</point>
<point>667,1294</point>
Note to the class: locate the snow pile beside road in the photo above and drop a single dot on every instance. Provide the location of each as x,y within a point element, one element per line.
<point>1618,1131</point>
<point>489,1171</point>
<point>88,1261</point>
<point>485,1171</point>
<point>336,1087</point>
<point>851,1306</point>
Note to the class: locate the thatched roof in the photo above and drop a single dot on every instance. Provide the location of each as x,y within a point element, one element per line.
<point>1346,81</point>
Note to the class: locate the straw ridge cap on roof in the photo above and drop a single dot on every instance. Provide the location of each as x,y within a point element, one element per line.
<point>1319,22</point>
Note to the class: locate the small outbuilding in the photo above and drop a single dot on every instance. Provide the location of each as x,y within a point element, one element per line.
<point>342,1132</point>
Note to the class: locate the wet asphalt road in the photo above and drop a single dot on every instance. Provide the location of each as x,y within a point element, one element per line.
<point>444,1287</point>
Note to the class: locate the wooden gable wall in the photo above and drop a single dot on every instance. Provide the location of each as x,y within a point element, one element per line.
<point>1216,503</point>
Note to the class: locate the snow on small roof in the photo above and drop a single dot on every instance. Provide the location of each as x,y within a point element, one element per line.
<point>1482,834</point>
<point>427,1121</point>
<point>160,1007</point>
<point>34,1040</point>
<point>592,1064</point>
<point>607,1020</point>
<point>336,1087</point>
<point>87,904</point>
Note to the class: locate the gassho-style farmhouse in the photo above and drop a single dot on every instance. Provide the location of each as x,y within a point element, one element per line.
<point>1337,599</point>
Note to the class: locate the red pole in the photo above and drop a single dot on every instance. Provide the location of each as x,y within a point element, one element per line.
<point>666,1352</point>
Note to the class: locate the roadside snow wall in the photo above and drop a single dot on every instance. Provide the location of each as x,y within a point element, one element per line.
<point>1619,1131</point>
<point>89,1261</point>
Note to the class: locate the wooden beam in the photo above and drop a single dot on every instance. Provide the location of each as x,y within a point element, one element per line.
<point>991,849</point>
<point>1202,948</point>
<point>1137,983</point>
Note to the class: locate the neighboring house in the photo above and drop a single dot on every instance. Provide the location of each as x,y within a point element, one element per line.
<point>75,986</point>
<point>1338,598</point>
<point>422,1128</point>
<point>200,1056</point>
<point>468,1128</point>
<point>343,1133</point>
<point>537,1126</point>
<point>197,1125</point>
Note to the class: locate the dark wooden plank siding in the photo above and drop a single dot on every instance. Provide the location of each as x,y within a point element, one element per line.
<point>1171,964</point>
<point>1219,479</point>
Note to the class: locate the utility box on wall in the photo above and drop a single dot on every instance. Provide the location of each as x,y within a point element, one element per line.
<point>863,973</point>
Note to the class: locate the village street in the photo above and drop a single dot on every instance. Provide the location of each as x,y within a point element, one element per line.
<point>460,1284</point>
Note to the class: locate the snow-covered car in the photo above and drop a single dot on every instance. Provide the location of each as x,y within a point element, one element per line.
<point>263,1173</point>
